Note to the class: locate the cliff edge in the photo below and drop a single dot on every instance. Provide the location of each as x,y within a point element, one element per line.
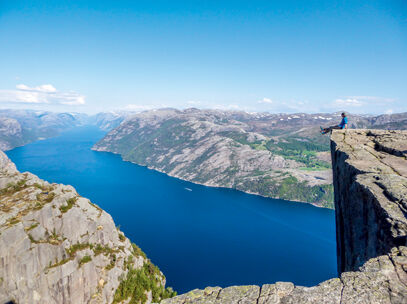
<point>370,180</point>
<point>58,247</point>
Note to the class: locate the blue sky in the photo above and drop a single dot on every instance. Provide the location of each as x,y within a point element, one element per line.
<point>276,56</point>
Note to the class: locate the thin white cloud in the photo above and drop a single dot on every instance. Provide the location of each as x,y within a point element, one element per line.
<point>348,102</point>
<point>234,107</point>
<point>69,99</point>
<point>361,102</point>
<point>364,104</point>
<point>43,94</point>
<point>45,88</point>
<point>265,100</point>
<point>375,99</point>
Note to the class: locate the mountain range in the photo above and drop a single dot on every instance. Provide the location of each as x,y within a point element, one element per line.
<point>274,155</point>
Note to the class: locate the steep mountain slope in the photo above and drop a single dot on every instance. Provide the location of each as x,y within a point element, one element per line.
<point>222,149</point>
<point>58,247</point>
<point>275,155</point>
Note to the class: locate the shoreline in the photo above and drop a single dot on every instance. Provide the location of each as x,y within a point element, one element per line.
<point>208,185</point>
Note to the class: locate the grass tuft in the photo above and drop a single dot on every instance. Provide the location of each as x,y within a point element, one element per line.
<point>85,260</point>
<point>69,204</point>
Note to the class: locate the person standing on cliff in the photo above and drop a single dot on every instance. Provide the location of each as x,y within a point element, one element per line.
<point>342,125</point>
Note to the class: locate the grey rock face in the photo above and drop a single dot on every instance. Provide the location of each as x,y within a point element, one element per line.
<point>58,247</point>
<point>370,169</point>
<point>370,181</point>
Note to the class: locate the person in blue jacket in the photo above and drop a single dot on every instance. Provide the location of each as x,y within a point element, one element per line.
<point>342,125</point>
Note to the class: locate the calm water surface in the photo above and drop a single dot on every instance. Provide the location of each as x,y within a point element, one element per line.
<point>198,236</point>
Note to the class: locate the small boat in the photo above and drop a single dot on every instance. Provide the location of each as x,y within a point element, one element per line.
<point>189,189</point>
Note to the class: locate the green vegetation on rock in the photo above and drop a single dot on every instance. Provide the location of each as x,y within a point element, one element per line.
<point>69,204</point>
<point>289,188</point>
<point>139,281</point>
<point>84,260</point>
<point>300,150</point>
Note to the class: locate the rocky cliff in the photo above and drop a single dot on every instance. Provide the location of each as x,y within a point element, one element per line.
<point>370,180</point>
<point>58,247</point>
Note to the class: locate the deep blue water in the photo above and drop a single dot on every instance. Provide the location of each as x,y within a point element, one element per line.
<point>204,237</point>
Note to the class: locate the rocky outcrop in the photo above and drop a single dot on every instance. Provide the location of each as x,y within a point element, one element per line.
<point>370,181</point>
<point>370,170</point>
<point>58,247</point>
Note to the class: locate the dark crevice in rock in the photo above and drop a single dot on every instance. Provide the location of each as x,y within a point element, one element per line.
<point>218,295</point>
<point>390,196</point>
<point>258,298</point>
<point>396,269</point>
<point>342,288</point>
<point>381,148</point>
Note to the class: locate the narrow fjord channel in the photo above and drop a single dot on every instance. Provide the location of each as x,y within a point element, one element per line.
<point>198,236</point>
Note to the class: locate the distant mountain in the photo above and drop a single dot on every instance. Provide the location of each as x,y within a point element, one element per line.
<point>20,127</point>
<point>274,155</point>
<point>109,120</point>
